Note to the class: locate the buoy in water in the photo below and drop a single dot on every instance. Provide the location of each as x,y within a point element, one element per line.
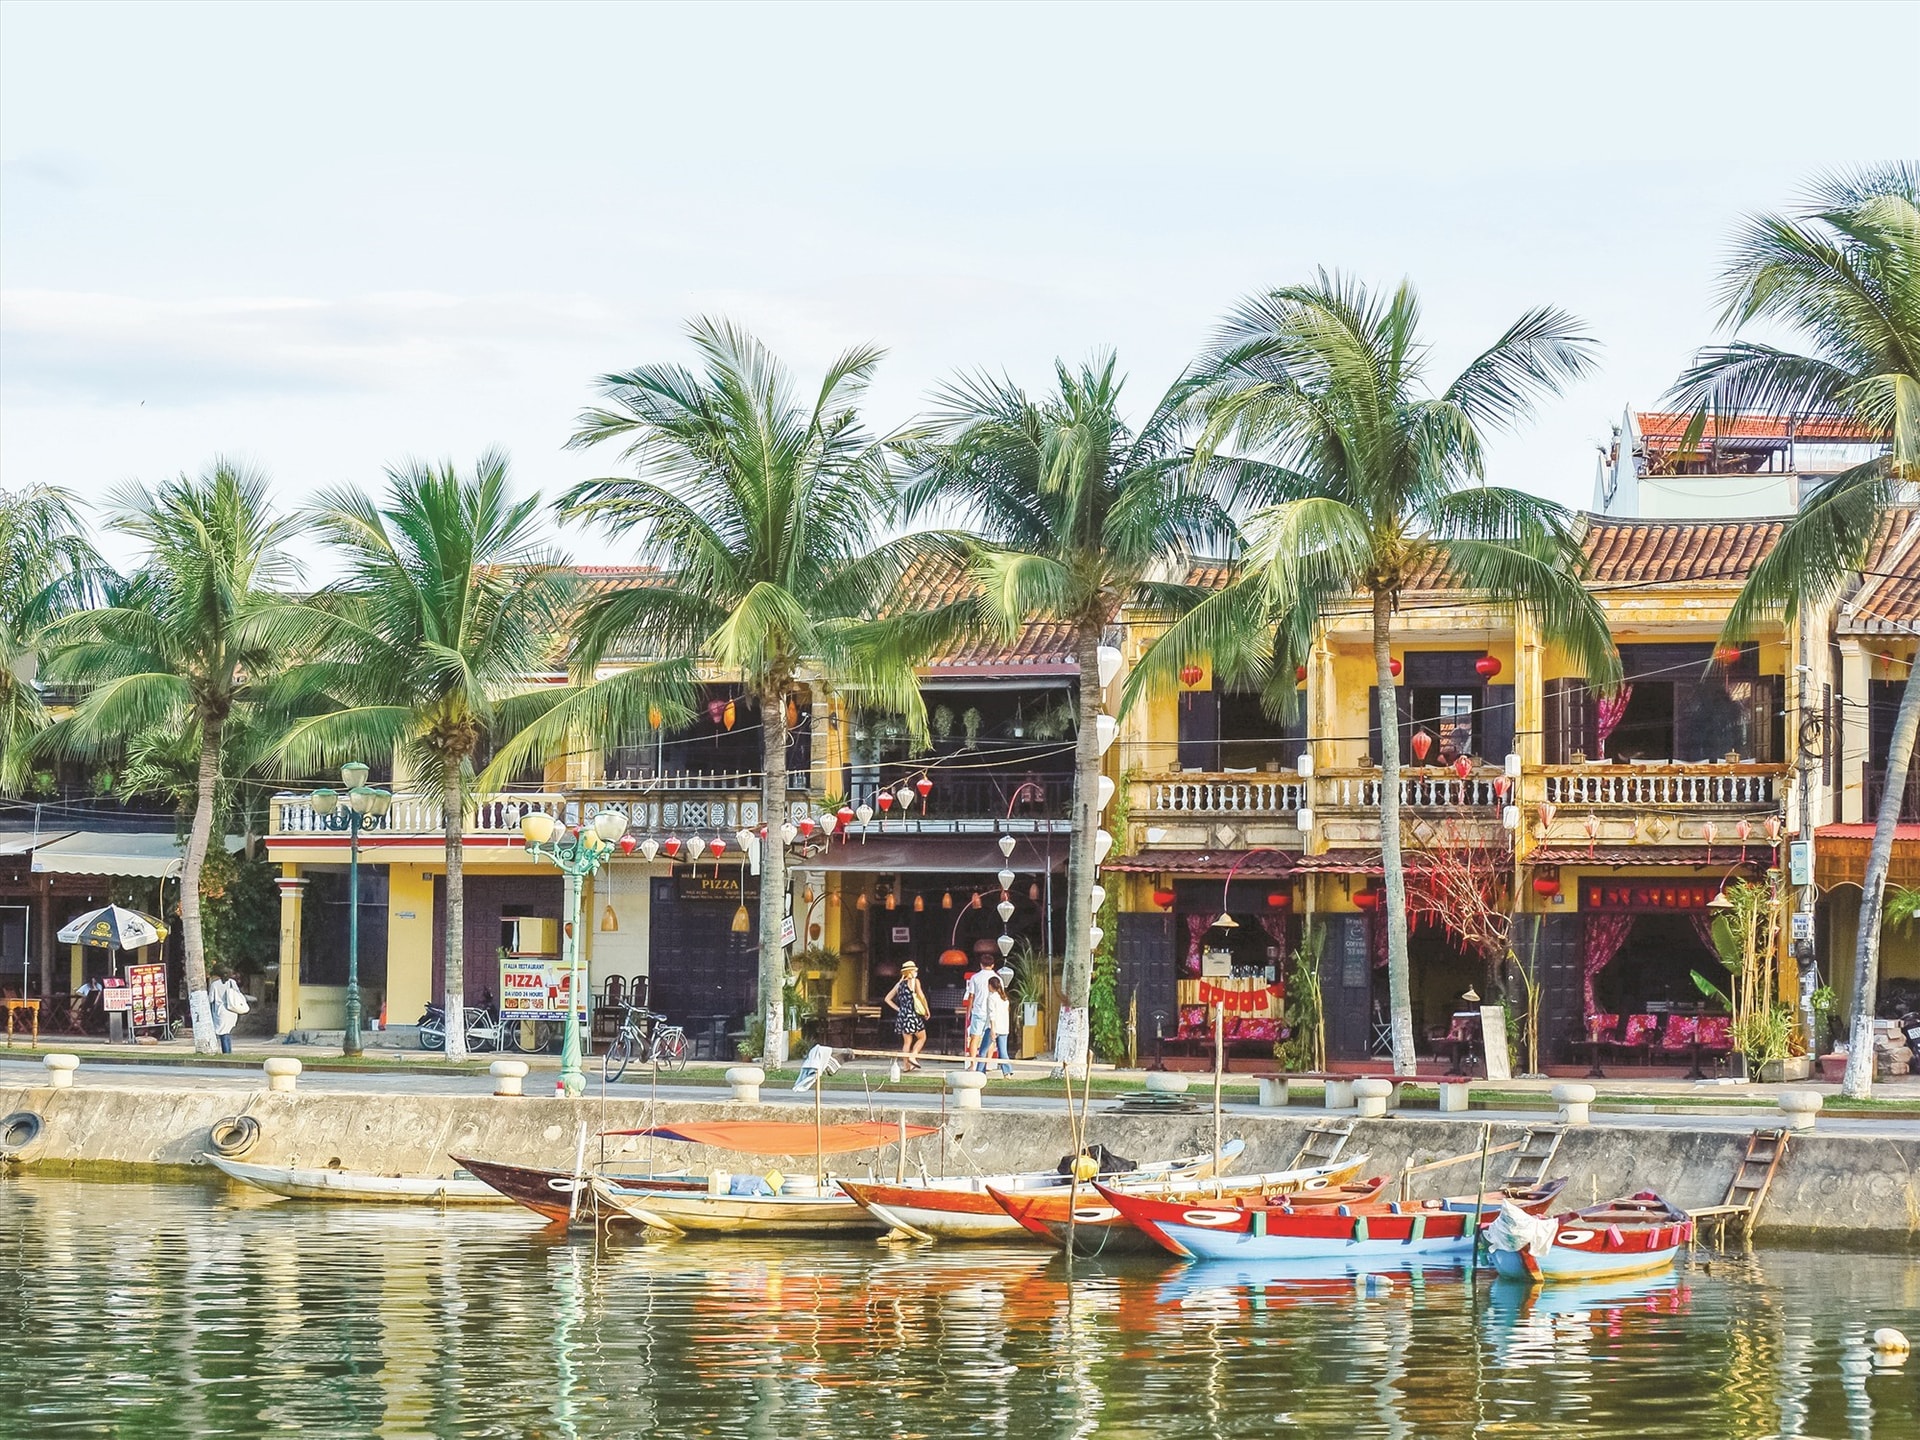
<point>1889,1347</point>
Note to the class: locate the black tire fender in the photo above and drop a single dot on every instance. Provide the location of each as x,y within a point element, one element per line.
<point>234,1136</point>
<point>17,1131</point>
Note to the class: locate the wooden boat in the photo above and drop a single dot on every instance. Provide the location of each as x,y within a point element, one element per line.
<point>1099,1229</point>
<point>1431,1231</point>
<point>964,1207</point>
<point>828,1212</point>
<point>1633,1236</point>
<point>549,1193</point>
<point>314,1184</point>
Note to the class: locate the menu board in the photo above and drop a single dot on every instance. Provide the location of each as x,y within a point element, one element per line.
<point>147,985</point>
<point>115,997</point>
<point>534,987</point>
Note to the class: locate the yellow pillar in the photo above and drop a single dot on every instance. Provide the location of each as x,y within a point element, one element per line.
<point>409,943</point>
<point>293,891</point>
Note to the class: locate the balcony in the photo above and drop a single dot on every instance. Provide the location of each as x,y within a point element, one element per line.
<point>1742,787</point>
<point>1876,783</point>
<point>493,814</point>
<point>984,802</point>
<point>689,810</point>
<point>1189,794</point>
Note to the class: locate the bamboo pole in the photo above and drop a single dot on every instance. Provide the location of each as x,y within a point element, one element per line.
<point>1473,1254</point>
<point>819,1131</point>
<point>1219,1066</point>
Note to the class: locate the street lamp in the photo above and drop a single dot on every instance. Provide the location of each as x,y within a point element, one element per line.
<point>363,806</point>
<point>576,853</point>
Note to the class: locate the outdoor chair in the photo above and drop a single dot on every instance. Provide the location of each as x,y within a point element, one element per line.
<point>1679,1041</point>
<point>1712,1041</point>
<point>1635,1044</point>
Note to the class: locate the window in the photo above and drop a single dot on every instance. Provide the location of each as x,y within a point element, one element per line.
<point>1456,712</point>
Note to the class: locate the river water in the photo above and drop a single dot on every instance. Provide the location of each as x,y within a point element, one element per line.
<point>164,1310</point>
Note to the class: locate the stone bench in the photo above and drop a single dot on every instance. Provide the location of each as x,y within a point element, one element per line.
<point>1339,1087</point>
<point>1455,1092</point>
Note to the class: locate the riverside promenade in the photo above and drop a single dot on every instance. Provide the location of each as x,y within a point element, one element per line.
<point>1856,1176</point>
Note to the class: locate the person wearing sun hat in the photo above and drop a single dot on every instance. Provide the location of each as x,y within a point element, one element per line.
<point>910,1009</point>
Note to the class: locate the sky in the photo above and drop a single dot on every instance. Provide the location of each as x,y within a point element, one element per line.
<point>325,239</point>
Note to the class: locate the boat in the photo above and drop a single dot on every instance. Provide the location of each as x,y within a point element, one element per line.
<point>1099,1229</point>
<point>296,1183</point>
<point>1363,1234</point>
<point>1636,1235</point>
<point>549,1193</point>
<point>964,1207</point>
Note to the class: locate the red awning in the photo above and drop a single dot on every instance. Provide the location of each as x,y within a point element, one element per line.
<point>1864,832</point>
<point>1718,855</point>
<point>782,1137</point>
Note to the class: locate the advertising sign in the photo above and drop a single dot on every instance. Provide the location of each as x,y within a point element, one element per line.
<point>715,884</point>
<point>147,985</point>
<point>534,987</point>
<point>115,996</point>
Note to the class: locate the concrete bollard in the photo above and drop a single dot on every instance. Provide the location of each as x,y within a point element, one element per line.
<point>60,1068</point>
<point>283,1072</point>
<point>1801,1107</point>
<point>966,1086</point>
<point>1573,1100</point>
<point>1339,1094</point>
<point>1453,1096</point>
<point>746,1080</point>
<point>1273,1091</point>
<point>1166,1082</point>
<point>507,1076</point>
<point>1371,1096</point>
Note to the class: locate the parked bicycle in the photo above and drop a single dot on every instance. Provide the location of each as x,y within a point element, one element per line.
<point>645,1035</point>
<point>487,1031</point>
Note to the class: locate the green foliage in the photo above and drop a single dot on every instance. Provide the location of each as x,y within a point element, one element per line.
<point>1305,1047</point>
<point>240,910</point>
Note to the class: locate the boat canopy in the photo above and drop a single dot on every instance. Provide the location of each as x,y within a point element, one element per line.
<point>783,1137</point>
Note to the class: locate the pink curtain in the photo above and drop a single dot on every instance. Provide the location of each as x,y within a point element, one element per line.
<point>1606,933</point>
<point>1197,927</point>
<point>1608,711</point>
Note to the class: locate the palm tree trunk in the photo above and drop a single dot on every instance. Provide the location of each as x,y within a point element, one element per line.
<point>454,816</point>
<point>1078,976</point>
<point>1858,1081</point>
<point>1399,989</point>
<point>773,872</point>
<point>193,942</point>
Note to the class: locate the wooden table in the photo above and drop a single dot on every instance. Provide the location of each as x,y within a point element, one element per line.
<point>32,1007</point>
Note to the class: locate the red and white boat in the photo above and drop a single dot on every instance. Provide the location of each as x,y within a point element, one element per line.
<point>1637,1235</point>
<point>1429,1231</point>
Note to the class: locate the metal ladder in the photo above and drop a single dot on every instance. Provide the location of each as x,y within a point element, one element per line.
<point>1323,1144</point>
<point>1752,1178</point>
<point>1529,1168</point>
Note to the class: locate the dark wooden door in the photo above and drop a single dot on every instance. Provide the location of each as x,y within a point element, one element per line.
<point>701,968</point>
<point>1346,986</point>
<point>1144,954</point>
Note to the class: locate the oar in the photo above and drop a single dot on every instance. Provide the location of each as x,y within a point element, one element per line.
<point>1219,1064</point>
<point>1473,1255</point>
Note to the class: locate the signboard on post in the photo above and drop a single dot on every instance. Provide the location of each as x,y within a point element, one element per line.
<point>147,987</point>
<point>1493,1042</point>
<point>534,987</point>
<point>1802,927</point>
<point>1800,863</point>
<point>116,997</point>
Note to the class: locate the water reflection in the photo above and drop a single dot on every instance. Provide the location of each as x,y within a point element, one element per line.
<point>163,1311</point>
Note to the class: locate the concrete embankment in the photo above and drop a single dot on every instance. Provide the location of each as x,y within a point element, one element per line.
<point>1856,1186</point>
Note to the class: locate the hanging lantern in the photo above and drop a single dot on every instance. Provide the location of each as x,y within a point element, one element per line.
<point>1005,942</point>
<point>919,904</point>
<point>654,717</point>
<point>1420,744</point>
<point>828,820</point>
<point>1033,892</point>
<point>1775,828</point>
<point>1709,832</point>
<point>716,709</point>
<point>672,846</point>
<point>1393,668</point>
<point>1367,899</point>
<point>885,801</point>
<point>1164,899</point>
<point>1005,877</point>
<point>1191,675</point>
<point>946,900</point>
<point>1007,843</point>
<point>803,827</point>
<point>626,843</point>
<point>793,713</point>
<point>893,900</point>
<point>742,922</point>
<point>905,796</point>
<point>1744,829</point>
<point>1463,767</point>
<point>717,844</point>
<point>860,901</point>
<point>1726,656</point>
<point>1299,674</point>
<point>1547,811</point>
<point>956,959</point>
<point>1547,882</point>
<point>844,814</point>
<point>1487,666</point>
<point>1279,899</point>
<point>807,896</point>
<point>1501,784</point>
<point>1094,936</point>
<point>1102,843</point>
<point>695,847</point>
<point>729,715</point>
<point>924,785</point>
<point>1005,911</point>
<point>789,833</point>
<point>649,848</point>
<point>1098,894</point>
<point>1592,826</point>
<point>976,903</point>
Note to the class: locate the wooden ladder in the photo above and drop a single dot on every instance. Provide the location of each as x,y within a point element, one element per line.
<point>1752,1178</point>
<point>1529,1168</point>
<point>1323,1144</point>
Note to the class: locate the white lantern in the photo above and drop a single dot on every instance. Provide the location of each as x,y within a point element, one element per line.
<point>1005,877</point>
<point>1006,846</point>
<point>1102,843</point>
<point>1005,907</point>
<point>1105,728</point>
<point>1304,765</point>
<point>788,834</point>
<point>1094,936</point>
<point>863,813</point>
<point>1107,662</point>
<point>1513,766</point>
<point>826,821</point>
<point>1305,819</point>
<point>695,848</point>
<point>1099,894</point>
<point>1005,942</point>
<point>903,797</point>
<point>1510,817</point>
<point>649,848</point>
<point>1104,792</point>
<point>746,838</point>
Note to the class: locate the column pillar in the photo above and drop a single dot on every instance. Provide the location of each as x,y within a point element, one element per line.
<point>1849,800</point>
<point>293,891</point>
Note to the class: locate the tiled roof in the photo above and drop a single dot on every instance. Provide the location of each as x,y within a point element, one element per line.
<point>1671,426</point>
<point>931,582</point>
<point>1209,574</point>
<point>1676,551</point>
<point>1889,595</point>
<point>1718,855</point>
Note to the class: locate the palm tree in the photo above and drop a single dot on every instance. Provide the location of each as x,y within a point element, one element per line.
<point>186,646</point>
<point>1072,510</point>
<point>761,509</point>
<point>433,644</point>
<point>1369,480</point>
<point>1844,271</point>
<point>47,570</point>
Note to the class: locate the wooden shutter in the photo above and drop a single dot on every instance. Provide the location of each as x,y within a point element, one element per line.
<point>1346,986</point>
<point>1199,735</point>
<point>1496,724</point>
<point>1568,720</point>
<point>1144,956</point>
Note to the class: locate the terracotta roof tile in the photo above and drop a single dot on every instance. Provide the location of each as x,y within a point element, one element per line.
<point>1671,425</point>
<point>931,582</point>
<point>1676,551</point>
<point>1889,595</point>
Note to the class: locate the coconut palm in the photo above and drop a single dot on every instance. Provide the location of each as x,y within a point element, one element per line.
<point>184,648</point>
<point>1843,271</point>
<point>431,645</point>
<point>760,509</point>
<point>47,570</point>
<point>1072,510</point>
<point>1371,480</point>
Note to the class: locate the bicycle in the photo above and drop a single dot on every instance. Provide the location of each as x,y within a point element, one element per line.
<point>484,1030</point>
<point>645,1035</point>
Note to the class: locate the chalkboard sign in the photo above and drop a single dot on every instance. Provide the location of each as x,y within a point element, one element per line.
<point>1354,957</point>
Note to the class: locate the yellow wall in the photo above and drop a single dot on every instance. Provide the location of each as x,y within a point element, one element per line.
<point>409,942</point>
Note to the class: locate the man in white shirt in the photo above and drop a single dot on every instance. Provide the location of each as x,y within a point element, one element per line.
<point>979,1013</point>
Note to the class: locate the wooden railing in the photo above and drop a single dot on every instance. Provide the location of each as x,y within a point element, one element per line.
<point>1419,790</point>
<point>1666,787</point>
<point>1225,795</point>
<point>1876,789</point>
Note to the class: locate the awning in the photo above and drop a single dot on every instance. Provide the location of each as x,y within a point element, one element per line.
<point>101,852</point>
<point>24,842</point>
<point>1760,854</point>
<point>1259,864</point>
<point>1840,855</point>
<point>928,854</point>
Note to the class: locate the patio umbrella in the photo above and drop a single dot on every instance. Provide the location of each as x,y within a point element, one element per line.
<point>113,927</point>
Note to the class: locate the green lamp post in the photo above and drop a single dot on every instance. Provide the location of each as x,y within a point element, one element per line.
<point>576,853</point>
<point>364,805</point>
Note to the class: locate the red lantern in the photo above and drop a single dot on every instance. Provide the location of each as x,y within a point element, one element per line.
<point>924,785</point>
<point>1547,882</point>
<point>1463,767</point>
<point>672,846</point>
<point>1163,898</point>
<point>844,815</point>
<point>716,845</point>
<point>626,843</point>
<point>1279,899</point>
<point>1501,784</point>
<point>1727,656</point>
<point>1488,666</point>
<point>1393,668</point>
<point>1421,743</point>
<point>1191,675</point>
<point>954,958</point>
<point>1300,674</point>
<point>885,801</point>
<point>804,825</point>
<point>1367,899</point>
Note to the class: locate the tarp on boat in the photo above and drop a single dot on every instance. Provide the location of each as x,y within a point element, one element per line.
<point>782,1137</point>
